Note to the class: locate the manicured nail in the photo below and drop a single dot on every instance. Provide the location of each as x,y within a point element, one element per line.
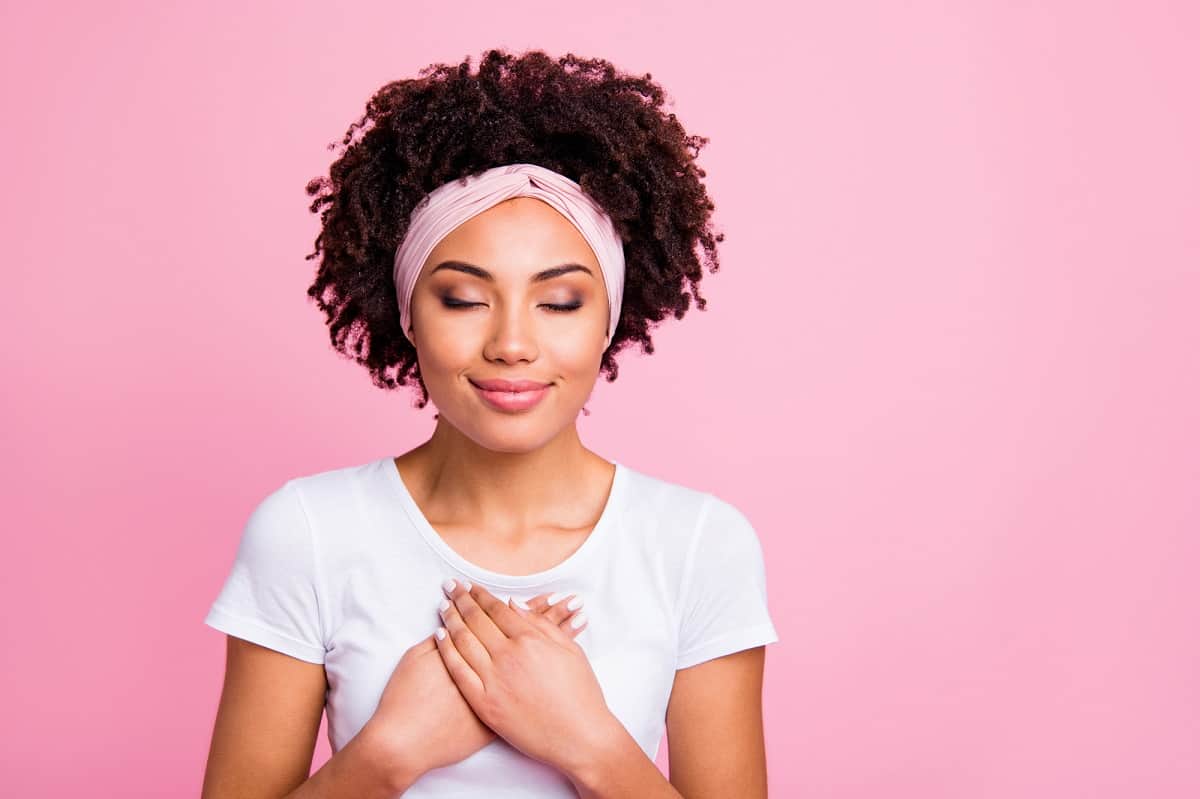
<point>444,605</point>
<point>555,597</point>
<point>441,633</point>
<point>448,586</point>
<point>520,604</point>
<point>575,604</point>
<point>578,621</point>
<point>466,585</point>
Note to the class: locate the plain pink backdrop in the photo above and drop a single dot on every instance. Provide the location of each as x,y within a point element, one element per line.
<point>949,369</point>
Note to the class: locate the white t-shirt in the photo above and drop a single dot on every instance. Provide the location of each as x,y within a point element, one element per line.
<point>342,568</point>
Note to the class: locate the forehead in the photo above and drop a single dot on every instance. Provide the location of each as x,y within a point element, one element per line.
<point>518,235</point>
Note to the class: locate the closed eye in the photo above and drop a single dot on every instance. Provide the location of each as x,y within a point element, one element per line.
<point>450,302</point>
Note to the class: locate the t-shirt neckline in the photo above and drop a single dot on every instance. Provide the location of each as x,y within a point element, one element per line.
<point>608,518</point>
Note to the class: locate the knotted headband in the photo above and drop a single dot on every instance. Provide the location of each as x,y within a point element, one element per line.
<point>453,203</point>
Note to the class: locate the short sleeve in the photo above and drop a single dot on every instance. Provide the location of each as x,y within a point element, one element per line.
<point>723,596</point>
<point>270,594</point>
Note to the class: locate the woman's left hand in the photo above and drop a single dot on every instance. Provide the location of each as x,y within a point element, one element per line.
<point>525,678</point>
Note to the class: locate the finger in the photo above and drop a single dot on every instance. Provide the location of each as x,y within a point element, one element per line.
<point>563,607</point>
<point>575,624</point>
<point>558,631</point>
<point>566,607</point>
<point>538,602</point>
<point>543,602</point>
<point>501,614</point>
<point>468,645</point>
<point>476,619</point>
<point>467,680</point>
<point>524,612</point>
<point>566,625</point>
<point>533,618</point>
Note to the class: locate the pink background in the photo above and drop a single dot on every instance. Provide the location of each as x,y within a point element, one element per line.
<point>949,368</point>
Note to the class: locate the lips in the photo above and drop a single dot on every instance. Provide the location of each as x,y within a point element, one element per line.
<point>511,396</point>
<point>514,386</point>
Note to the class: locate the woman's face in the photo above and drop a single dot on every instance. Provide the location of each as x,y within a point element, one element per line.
<point>484,308</point>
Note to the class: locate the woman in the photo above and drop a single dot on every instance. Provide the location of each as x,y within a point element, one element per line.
<point>495,239</point>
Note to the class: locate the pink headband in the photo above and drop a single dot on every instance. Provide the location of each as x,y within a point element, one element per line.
<point>451,204</point>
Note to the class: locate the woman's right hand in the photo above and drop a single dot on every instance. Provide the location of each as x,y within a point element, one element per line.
<point>422,722</point>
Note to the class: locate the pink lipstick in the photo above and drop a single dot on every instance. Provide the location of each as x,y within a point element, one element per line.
<point>511,395</point>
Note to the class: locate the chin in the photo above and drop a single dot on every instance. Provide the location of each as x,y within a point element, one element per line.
<point>510,446</point>
<point>512,434</point>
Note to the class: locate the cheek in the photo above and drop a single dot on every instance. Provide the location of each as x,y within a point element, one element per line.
<point>575,353</point>
<point>442,356</point>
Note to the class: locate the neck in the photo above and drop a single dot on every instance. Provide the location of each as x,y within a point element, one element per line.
<point>459,481</point>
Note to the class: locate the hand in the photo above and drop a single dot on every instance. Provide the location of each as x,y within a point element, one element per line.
<point>422,721</point>
<point>525,678</point>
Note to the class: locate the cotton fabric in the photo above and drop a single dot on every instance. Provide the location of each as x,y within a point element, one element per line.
<point>342,568</point>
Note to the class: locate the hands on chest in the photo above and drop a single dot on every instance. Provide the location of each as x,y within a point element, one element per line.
<point>495,669</point>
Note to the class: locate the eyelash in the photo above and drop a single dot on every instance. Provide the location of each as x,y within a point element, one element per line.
<point>452,303</point>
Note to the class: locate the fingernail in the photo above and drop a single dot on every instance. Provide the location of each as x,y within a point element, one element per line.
<point>448,586</point>
<point>441,633</point>
<point>444,605</point>
<point>578,621</point>
<point>575,604</point>
<point>520,604</point>
<point>555,597</point>
<point>466,585</point>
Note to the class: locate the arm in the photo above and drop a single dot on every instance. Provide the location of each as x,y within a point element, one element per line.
<point>715,728</point>
<point>354,772</point>
<point>715,739</point>
<point>618,767</point>
<point>266,731</point>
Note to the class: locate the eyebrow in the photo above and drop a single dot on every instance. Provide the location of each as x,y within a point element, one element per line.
<point>478,271</point>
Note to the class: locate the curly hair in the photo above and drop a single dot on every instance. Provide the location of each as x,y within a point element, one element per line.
<point>581,117</point>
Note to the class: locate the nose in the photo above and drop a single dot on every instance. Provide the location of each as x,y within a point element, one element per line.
<point>513,336</point>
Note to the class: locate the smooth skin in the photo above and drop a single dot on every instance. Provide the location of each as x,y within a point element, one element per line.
<point>526,680</point>
<point>447,730</point>
<point>270,713</point>
<point>495,653</point>
<point>514,292</point>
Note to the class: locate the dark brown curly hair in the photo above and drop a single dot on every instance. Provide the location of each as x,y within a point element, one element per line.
<point>581,117</point>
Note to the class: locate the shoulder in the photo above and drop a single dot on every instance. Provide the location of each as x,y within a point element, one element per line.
<point>702,530</point>
<point>320,509</point>
<point>339,476</point>
<point>337,488</point>
<point>683,512</point>
<point>664,500</point>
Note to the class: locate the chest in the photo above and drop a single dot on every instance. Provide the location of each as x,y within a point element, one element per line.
<point>383,606</point>
<point>527,553</point>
